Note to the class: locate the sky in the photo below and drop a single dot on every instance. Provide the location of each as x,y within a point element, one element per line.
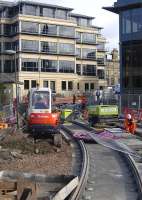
<point>109,21</point>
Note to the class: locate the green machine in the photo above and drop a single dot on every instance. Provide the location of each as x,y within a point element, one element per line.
<point>102,113</point>
<point>66,113</point>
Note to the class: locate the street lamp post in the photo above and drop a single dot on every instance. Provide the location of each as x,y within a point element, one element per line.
<point>12,52</point>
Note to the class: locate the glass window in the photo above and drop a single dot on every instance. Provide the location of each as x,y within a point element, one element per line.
<point>101,46</point>
<point>89,70</point>
<point>31,10</point>
<point>78,69</point>
<point>70,85</point>
<point>66,48</point>
<point>78,36</point>
<point>45,84</point>
<point>30,65</point>
<point>33,84</point>
<point>66,66</point>
<point>137,20</point>
<point>126,22</point>
<point>86,86</point>
<point>48,12</point>
<point>48,29</point>
<point>88,38</point>
<point>50,47</point>
<point>83,22</point>
<point>78,53</point>
<point>30,45</point>
<point>92,86</point>
<point>64,85</point>
<point>26,85</point>
<point>67,31</point>
<point>78,86</point>
<point>40,100</point>
<point>9,66</point>
<point>49,65</point>
<point>74,19</point>
<point>29,27</point>
<point>89,53</point>
<point>53,86</point>
<point>61,14</point>
<point>101,74</point>
<point>100,61</point>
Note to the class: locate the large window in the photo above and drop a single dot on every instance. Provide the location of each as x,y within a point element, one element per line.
<point>29,27</point>
<point>49,65</point>
<point>88,38</point>
<point>30,65</point>
<point>31,10</point>
<point>48,29</point>
<point>132,66</point>
<point>83,22</point>
<point>64,85</point>
<point>78,69</point>
<point>11,29</point>
<point>89,54</point>
<point>48,12</point>
<point>89,70</point>
<point>66,48</point>
<point>101,74</point>
<point>9,66</point>
<point>61,14</point>
<point>67,31</point>
<point>66,66</point>
<point>49,47</point>
<point>78,53</point>
<point>30,45</point>
<point>33,84</point>
<point>26,85</point>
<point>78,36</point>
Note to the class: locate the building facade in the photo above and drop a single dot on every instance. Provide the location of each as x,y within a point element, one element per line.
<point>113,68</point>
<point>130,20</point>
<point>51,46</point>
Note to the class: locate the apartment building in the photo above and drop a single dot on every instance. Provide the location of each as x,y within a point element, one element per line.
<point>52,46</point>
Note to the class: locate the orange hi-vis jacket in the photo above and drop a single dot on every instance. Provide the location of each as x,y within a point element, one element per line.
<point>130,125</point>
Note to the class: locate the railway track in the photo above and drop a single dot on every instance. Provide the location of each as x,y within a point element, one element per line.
<point>112,175</point>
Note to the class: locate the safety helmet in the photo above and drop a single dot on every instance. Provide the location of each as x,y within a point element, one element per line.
<point>129,116</point>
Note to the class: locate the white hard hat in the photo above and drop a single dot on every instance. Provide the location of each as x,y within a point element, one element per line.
<point>129,116</point>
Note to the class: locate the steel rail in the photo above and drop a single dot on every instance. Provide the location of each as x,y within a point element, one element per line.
<point>83,176</point>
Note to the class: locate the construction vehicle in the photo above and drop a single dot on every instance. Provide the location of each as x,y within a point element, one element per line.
<point>41,118</point>
<point>102,113</point>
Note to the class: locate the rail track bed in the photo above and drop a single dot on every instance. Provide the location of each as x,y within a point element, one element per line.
<point>112,175</point>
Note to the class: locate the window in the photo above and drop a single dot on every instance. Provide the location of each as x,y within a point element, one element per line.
<point>31,10</point>
<point>78,69</point>
<point>45,84</point>
<point>92,86</point>
<point>29,27</point>
<point>61,14</point>
<point>26,84</point>
<point>100,61</point>
<point>86,86</point>
<point>33,84</point>
<point>49,47</point>
<point>88,38</point>
<point>101,46</point>
<point>48,12</point>
<point>66,66</point>
<point>64,86</point>
<point>101,74</point>
<point>89,54</point>
<point>53,86</point>
<point>83,22</point>
<point>78,53</point>
<point>30,45</point>
<point>30,65</point>
<point>67,31</point>
<point>49,65</point>
<point>78,36</point>
<point>70,85</point>
<point>66,48</point>
<point>89,70</point>
<point>78,86</point>
<point>48,29</point>
<point>9,66</point>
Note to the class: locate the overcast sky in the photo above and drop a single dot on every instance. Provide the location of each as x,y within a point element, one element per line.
<point>103,18</point>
